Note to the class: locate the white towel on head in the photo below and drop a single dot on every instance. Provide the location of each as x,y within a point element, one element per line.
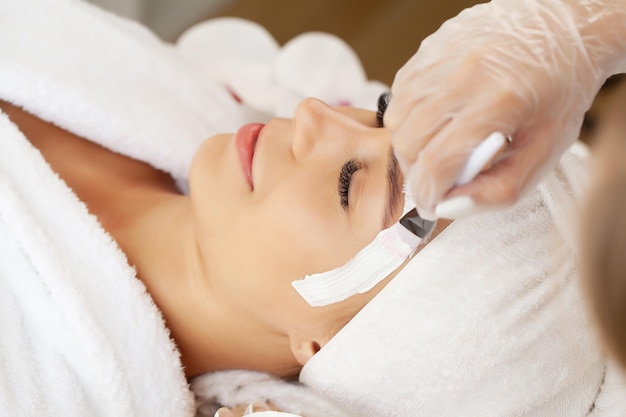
<point>487,320</point>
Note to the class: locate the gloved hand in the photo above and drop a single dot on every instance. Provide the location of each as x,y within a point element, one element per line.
<point>526,68</point>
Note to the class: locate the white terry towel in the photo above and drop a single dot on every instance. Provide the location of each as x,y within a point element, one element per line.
<point>110,80</point>
<point>487,320</point>
<point>79,336</point>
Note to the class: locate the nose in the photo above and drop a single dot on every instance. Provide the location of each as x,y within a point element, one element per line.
<point>318,128</point>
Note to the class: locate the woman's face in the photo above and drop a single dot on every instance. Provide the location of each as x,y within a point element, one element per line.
<point>319,189</point>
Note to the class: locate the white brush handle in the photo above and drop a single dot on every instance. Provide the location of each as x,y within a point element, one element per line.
<point>481,156</point>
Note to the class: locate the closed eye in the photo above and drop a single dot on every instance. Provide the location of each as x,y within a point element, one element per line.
<point>345,178</point>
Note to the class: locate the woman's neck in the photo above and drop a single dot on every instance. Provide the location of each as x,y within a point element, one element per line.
<point>154,227</point>
<point>158,239</point>
<point>212,334</point>
<point>153,224</point>
<point>140,207</point>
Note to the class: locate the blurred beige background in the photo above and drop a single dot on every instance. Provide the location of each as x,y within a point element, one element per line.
<point>384,33</point>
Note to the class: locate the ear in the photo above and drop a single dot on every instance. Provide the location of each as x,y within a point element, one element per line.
<point>303,349</point>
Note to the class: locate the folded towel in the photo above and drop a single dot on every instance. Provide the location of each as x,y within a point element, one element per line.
<point>238,387</point>
<point>611,401</point>
<point>109,80</point>
<point>487,320</point>
<point>80,335</point>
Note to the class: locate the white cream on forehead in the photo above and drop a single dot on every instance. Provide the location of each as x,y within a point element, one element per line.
<point>389,249</point>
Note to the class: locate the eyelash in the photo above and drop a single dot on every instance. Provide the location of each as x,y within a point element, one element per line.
<point>345,178</point>
<point>349,168</point>
<point>383,102</point>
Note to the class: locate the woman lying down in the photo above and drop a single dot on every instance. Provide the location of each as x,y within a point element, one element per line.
<point>141,246</point>
<point>221,274</point>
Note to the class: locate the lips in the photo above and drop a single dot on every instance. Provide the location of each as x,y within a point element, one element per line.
<point>245,142</point>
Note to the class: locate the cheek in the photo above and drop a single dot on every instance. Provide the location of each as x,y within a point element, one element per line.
<point>267,246</point>
<point>291,240</point>
<point>257,247</point>
<point>254,268</point>
<point>307,230</point>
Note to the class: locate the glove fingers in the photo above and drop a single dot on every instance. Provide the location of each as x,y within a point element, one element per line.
<point>418,118</point>
<point>515,172</point>
<point>440,162</point>
<point>420,127</point>
<point>416,112</point>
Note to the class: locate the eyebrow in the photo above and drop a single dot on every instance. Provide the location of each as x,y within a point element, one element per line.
<point>394,189</point>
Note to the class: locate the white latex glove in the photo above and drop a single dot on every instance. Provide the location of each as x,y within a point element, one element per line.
<point>526,68</point>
